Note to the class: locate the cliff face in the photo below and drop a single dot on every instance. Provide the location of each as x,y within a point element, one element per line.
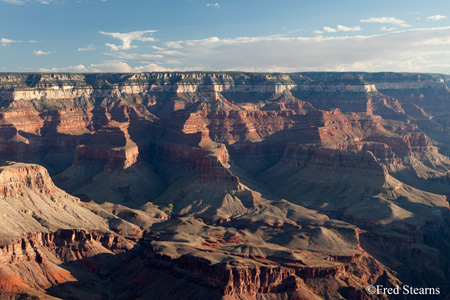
<point>34,263</point>
<point>240,184</point>
<point>407,144</point>
<point>31,203</point>
<point>69,86</point>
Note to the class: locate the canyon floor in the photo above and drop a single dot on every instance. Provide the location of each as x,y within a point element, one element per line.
<point>224,185</point>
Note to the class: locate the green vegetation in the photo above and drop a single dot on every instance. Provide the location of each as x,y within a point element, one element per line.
<point>389,192</point>
<point>167,208</point>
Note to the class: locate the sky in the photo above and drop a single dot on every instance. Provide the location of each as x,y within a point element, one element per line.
<point>223,35</point>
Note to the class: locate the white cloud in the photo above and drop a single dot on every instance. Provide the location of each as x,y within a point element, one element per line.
<point>87,48</point>
<point>317,31</point>
<point>109,66</point>
<point>215,5</point>
<point>20,2</point>
<point>346,28</point>
<point>134,56</point>
<point>128,38</point>
<point>50,70</point>
<point>14,1</point>
<point>174,45</point>
<point>436,18</point>
<point>40,52</point>
<point>171,52</point>
<point>151,68</point>
<point>106,66</point>
<point>5,42</point>
<point>408,50</point>
<point>387,20</point>
<point>329,29</point>
<point>77,68</point>
<point>384,28</point>
<point>338,28</point>
<point>172,62</point>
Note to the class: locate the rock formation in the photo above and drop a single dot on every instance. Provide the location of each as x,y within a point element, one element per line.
<point>223,185</point>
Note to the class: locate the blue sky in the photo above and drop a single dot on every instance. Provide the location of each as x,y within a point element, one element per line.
<point>246,35</point>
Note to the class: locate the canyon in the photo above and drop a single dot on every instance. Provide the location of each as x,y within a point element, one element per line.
<point>223,185</point>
